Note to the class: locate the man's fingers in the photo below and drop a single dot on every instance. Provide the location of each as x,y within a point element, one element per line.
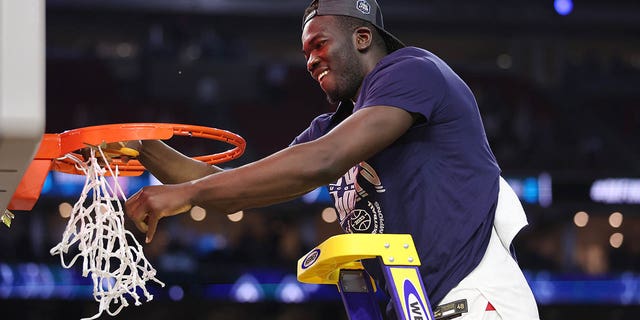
<point>152,224</point>
<point>144,220</point>
<point>141,225</point>
<point>146,207</point>
<point>139,219</point>
<point>137,212</point>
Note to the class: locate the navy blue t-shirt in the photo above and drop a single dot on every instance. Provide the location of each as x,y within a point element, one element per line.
<point>438,182</point>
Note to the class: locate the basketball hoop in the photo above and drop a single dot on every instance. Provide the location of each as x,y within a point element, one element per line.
<point>54,147</point>
<point>110,254</point>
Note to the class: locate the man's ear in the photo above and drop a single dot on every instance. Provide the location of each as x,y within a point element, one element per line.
<point>363,38</point>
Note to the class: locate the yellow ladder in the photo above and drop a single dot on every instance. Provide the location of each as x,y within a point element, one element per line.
<point>337,261</point>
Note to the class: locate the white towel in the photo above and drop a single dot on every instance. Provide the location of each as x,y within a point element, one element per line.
<point>510,217</point>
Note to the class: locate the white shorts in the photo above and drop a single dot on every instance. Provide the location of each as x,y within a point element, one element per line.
<point>497,289</point>
<point>499,281</point>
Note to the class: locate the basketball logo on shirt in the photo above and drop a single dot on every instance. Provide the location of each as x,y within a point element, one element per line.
<point>354,196</point>
<point>360,220</point>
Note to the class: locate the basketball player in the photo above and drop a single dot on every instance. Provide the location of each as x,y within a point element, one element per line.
<point>404,152</point>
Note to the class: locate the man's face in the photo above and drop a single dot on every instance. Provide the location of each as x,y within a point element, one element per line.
<point>332,58</point>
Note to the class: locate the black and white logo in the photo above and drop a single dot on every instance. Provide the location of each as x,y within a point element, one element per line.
<point>311,258</point>
<point>363,6</point>
<point>360,220</point>
<point>356,197</point>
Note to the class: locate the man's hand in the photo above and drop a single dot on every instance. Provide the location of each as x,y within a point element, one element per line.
<point>147,206</point>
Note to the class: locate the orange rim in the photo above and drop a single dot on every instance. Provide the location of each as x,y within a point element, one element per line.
<point>55,146</point>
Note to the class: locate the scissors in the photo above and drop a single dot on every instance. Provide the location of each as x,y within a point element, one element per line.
<point>111,152</point>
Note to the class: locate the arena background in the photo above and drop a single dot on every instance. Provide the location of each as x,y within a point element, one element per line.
<point>558,88</point>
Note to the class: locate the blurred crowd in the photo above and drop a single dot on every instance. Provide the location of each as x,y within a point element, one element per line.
<point>575,114</point>
<point>549,104</point>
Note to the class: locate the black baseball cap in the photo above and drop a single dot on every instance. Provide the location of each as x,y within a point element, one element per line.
<point>367,10</point>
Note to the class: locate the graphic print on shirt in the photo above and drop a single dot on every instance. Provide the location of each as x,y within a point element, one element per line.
<point>356,199</point>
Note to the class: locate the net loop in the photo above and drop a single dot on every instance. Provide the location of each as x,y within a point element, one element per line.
<point>110,254</point>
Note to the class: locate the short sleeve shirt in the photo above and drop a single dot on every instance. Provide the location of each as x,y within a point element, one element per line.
<point>438,182</point>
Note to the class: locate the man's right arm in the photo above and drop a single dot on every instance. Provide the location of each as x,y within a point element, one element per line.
<point>168,164</point>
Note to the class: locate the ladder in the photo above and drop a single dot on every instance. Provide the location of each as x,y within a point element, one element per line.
<point>337,261</point>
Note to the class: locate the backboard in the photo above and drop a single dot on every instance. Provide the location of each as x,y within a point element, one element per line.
<point>22,89</point>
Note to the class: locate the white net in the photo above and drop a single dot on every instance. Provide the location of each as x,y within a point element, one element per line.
<point>110,253</point>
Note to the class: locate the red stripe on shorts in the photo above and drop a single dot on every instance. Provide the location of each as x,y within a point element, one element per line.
<point>490,307</point>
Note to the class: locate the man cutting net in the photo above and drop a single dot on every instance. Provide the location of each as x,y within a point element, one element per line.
<point>404,152</point>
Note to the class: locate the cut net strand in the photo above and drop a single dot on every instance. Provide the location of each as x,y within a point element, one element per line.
<point>110,253</point>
